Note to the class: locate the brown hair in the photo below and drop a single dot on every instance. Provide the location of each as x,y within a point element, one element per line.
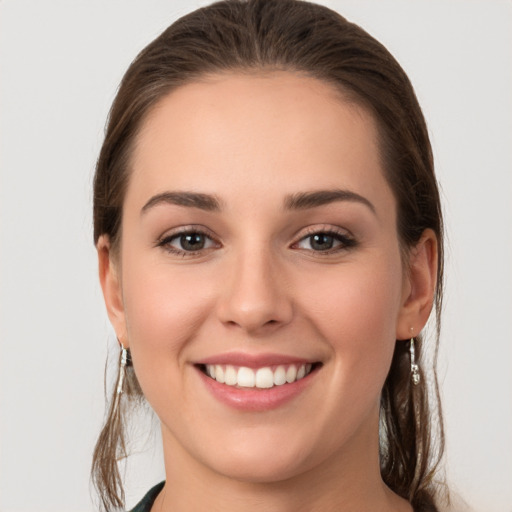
<point>294,35</point>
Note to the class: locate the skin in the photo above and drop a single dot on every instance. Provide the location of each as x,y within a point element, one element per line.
<point>259,286</point>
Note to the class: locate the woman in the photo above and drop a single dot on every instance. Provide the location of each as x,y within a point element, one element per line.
<point>269,236</point>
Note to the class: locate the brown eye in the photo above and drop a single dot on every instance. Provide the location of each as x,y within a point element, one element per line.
<point>192,241</point>
<point>188,242</point>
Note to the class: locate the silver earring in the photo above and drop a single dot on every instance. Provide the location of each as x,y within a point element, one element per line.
<point>124,362</point>
<point>415,370</point>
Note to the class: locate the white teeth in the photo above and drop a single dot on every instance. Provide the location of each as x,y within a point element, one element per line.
<point>219,373</point>
<point>230,376</point>
<point>280,376</point>
<point>291,374</point>
<point>246,377</point>
<point>262,378</point>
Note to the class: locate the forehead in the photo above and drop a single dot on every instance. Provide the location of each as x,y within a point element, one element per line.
<point>248,134</point>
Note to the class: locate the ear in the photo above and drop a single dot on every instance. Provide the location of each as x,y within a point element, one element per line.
<point>419,287</point>
<point>109,273</point>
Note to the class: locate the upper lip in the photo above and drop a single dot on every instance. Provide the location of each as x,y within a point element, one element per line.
<point>253,360</point>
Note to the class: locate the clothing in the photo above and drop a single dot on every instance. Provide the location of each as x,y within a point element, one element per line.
<point>147,502</point>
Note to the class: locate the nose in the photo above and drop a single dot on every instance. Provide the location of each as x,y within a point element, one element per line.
<point>255,295</point>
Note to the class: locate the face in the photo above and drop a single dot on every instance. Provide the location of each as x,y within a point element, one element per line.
<point>259,283</point>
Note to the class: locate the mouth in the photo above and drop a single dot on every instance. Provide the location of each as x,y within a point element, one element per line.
<point>265,377</point>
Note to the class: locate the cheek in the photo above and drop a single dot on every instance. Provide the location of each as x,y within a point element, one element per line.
<point>164,309</point>
<point>356,310</point>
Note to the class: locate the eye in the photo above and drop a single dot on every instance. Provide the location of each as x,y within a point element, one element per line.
<point>187,242</point>
<point>325,241</point>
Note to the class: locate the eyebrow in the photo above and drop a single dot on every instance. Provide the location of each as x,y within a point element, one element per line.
<point>305,200</point>
<point>191,199</point>
<point>297,201</point>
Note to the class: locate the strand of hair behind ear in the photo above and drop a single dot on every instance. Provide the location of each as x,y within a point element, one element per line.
<point>111,446</point>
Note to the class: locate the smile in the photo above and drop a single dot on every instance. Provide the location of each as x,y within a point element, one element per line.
<point>262,378</point>
<point>257,382</point>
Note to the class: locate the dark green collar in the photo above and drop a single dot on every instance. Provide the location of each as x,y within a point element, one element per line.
<point>147,502</point>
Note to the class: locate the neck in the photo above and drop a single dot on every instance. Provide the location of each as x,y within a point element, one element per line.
<point>345,482</point>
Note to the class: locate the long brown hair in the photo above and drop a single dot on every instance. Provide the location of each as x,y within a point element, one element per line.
<point>293,35</point>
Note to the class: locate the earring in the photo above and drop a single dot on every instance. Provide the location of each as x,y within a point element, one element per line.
<point>124,362</point>
<point>415,370</point>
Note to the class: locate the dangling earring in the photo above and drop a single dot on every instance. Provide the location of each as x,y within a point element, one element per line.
<point>124,362</point>
<point>415,370</point>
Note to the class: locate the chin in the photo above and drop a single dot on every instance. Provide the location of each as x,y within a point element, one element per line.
<point>261,470</point>
<point>264,457</point>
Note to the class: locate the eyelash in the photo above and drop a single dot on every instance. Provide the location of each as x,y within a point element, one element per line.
<point>346,241</point>
<point>166,241</point>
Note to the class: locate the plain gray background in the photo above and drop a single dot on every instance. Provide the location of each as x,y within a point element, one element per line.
<point>61,62</point>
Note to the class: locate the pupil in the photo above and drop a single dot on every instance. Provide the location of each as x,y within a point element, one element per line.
<point>322,242</point>
<point>192,242</point>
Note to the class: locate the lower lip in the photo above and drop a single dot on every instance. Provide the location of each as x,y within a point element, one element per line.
<point>255,399</point>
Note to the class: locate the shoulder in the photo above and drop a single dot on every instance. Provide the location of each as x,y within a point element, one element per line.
<point>146,503</point>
